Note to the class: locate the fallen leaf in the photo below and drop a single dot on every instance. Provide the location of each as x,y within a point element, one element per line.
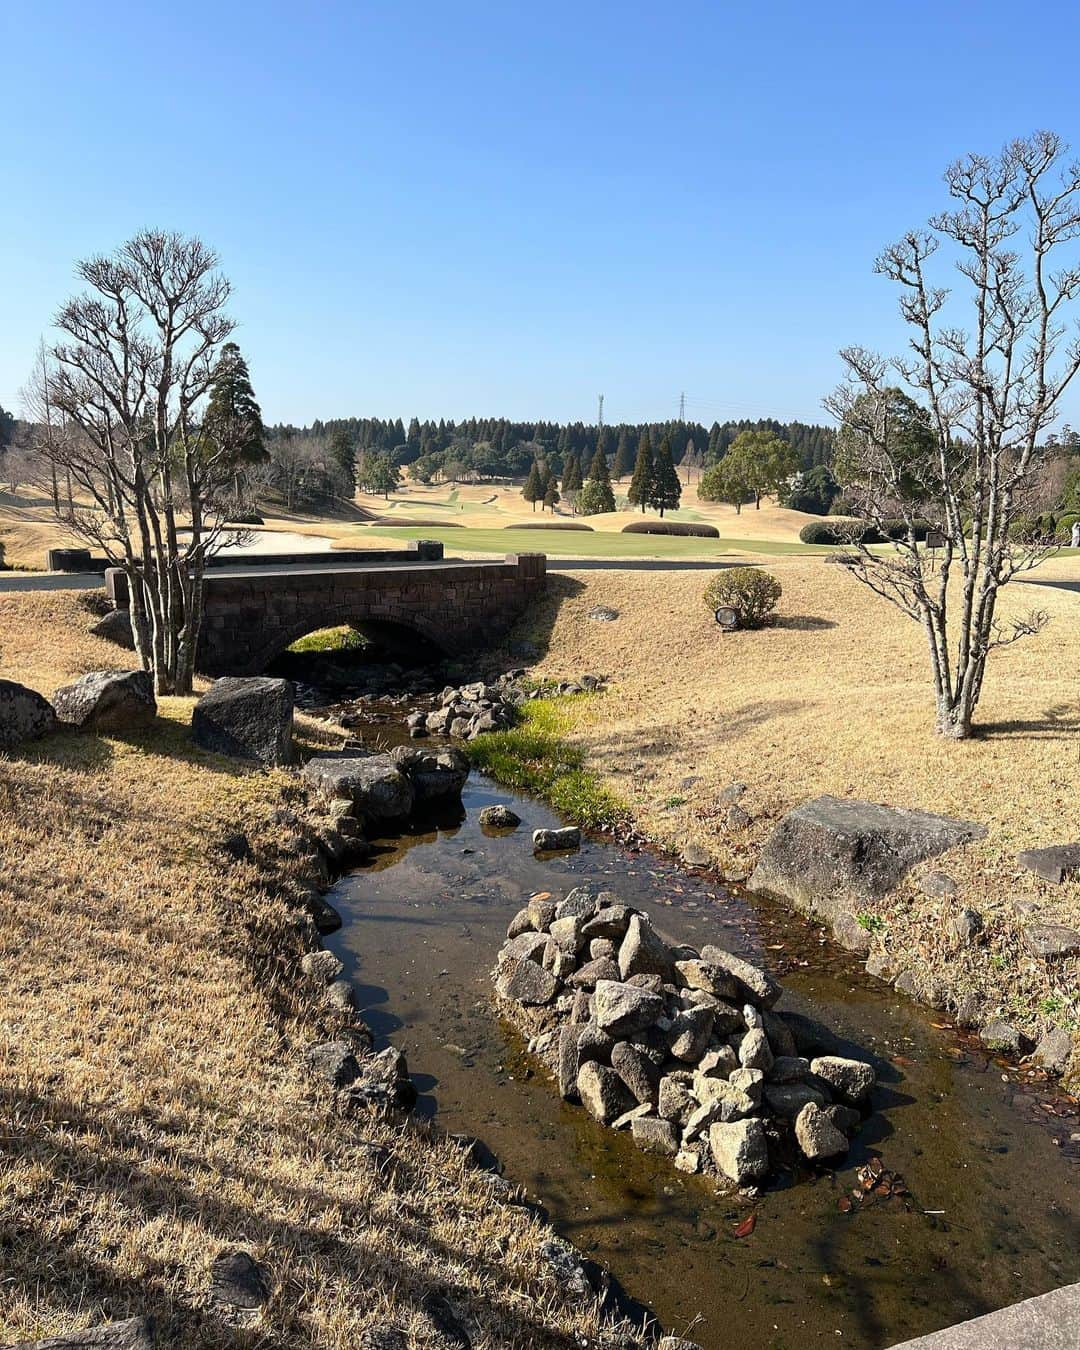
<point>747,1226</point>
<point>844,1205</point>
<point>541,895</point>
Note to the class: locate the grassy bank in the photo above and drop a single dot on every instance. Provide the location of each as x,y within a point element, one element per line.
<point>576,543</point>
<point>155,1107</point>
<point>536,757</point>
<point>835,699</point>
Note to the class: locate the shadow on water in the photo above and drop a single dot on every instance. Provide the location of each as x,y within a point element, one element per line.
<point>990,1215</point>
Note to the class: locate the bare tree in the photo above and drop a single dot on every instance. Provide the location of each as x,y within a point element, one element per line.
<point>966,452</point>
<point>129,379</point>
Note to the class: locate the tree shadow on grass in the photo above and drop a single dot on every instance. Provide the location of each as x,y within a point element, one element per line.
<point>535,627</point>
<point>136,1165</point>
<point>1057,723</point>
<point>802,623</point>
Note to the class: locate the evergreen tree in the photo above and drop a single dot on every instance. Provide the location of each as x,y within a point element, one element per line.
<point>233,421</point>
<point>380,474</point>
<point>551,494</point>
<point>572,475</point>
<point>641,485</point>
<point>533,491</point>
<point>666,491</point>
<point>624,459</point>
<point>597,490</point>
<point>343,453</point>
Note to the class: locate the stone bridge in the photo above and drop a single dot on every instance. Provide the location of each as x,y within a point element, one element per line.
<point>253,612</point>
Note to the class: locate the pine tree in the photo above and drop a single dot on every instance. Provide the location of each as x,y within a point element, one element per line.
<point>343,453</point>
<point>641,485</point>
<point>551,495</point>
<point>624,459</point>
<point>666,491</point>
<point>599,496</point>
<point>571,480</point>
<point>233,419</point>
<point>533,491</point>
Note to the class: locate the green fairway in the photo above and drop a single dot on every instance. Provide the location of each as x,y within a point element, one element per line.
<point>582,544</point>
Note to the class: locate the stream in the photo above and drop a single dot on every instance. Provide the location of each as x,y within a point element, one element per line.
<point>991,1211</point>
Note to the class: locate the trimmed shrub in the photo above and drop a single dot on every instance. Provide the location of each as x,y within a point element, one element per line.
<point>751,591</point>
<point>551,525</point>
<point>244,516</point>
<point>840,530</point>
<point>897,529</point>
<point>1063,528</point>
<point>684,529</point>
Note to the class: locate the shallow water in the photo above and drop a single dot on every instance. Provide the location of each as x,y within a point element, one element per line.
<point>991,1216</point>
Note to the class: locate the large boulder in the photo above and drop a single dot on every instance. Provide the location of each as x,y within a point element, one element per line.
<point>107,700</point>
<point>751,982</point>
<point>829,851</point>
<point>246,718</point>
<point>622,1009</point>
<point>817,1135</point>
<point>374,784</point>
<point>116,627</point>
<point>133,1333</point>
<point>24,715</point>
<point>435,774</point>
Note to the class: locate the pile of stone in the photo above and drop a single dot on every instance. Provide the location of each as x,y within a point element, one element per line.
<point>380,788</point>
<point>680,1046</point>
<point>471,709</point>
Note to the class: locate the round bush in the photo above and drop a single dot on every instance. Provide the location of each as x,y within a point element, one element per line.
<point>684,529</point>
<point>751,591</point>
<point>1063,528</point>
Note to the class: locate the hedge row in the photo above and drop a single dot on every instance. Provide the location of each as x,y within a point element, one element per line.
<point>678,527</point>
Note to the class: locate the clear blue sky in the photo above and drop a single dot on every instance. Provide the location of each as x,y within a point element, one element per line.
<point>500,209</point>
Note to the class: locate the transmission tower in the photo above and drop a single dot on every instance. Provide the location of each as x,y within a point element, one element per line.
<point>600,414</point>
<point>682,407</point>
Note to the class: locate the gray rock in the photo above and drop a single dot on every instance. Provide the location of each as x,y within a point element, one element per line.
<point>708,977</point>
<point>830,851</point>
<point>740,1150</point>
<point>601,949</point>
<point>541,911</point>
<point>586,976</point>
<point>603,1093</point>
<point>603,614</point>
<point>339,995</point>
<point>322,965</point>
<point>579,903</point>
<point>133,1333</point>
<point>675,1101</point>
<point>382,1338</point>
<point>246,719</point>
<point>499,817</point>
<point>788,1099</point>
<point>116,628</point>
<point>566,933</point>
<point>689,1034</point>
<point>846,1118</point>
<point>435,775</point>
<point>731,794</point>
<point>107,700</point>
<point>24,715</point>
<point>237,1281</point>
<point>732,1103</point>
<point>754,1050</point>
<point>686,1160</point>
<point>1001,1035</point>
<point>1053,1050</point>
<point>850,1079</point>
<point>556,841</point>
<point>965,925</point>
<point>677,1342</point>
<point>523,981</point>
<point>643,951</point>
<point>374,784</point>
<point>1051,941</point>
<point>520,923</point>
<point>749,1081</point>
<point>1056,864</point>
<point>719,1063</point>
<point>527,946</point>
<point>622,1009</point>
<point>939,885</point>
<point>655,1135</point>
<point>789,1069</point>
<point>610,922</point>
<point>752,983</point>
<point>779,1034</point>
<point>637,1071</point>
<point>333,1062</point>
<point>850,933</point>
<point>816,1134</point>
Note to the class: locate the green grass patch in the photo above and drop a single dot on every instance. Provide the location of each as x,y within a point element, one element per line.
<point>575,544</point>
<point>534,757</point>
<point>343,639</point>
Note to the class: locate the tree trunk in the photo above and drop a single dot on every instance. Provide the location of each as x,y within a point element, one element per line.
<point>954,718</point>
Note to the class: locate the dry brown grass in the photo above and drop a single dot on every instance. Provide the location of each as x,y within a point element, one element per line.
<point>835,699</point>
<point>153,1108</point>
